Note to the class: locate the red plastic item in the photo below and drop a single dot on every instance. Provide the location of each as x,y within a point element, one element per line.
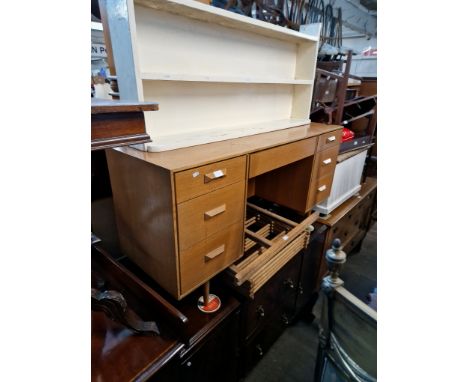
<point>348,135</point>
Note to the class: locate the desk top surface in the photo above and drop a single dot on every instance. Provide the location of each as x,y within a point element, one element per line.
<point>189,157</point>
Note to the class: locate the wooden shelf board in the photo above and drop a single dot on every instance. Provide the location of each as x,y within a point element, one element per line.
<point>231,79</point>
<point>187,139</point>
<point>211,14</point>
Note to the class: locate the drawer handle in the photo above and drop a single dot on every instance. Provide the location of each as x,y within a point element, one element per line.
<point>215,175</point>
<point>215,211</point>
<point>260,311</point>
<point>331,139</point>
<point>322,188</point>
<point>327,161</point>
<point>215,252</point>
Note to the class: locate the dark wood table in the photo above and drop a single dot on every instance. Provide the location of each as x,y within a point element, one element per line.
<point>191,344</point>
<point>118,123</point>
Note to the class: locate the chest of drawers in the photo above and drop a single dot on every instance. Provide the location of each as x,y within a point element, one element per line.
<point>180,214</point>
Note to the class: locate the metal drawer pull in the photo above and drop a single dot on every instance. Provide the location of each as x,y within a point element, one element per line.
<point>331,139</point>
<point>327,161</point>
<point>215,211</point>
<point>215,252</point>
<point>215,175</point>
<point>260,311</point>
<point>322,188</point>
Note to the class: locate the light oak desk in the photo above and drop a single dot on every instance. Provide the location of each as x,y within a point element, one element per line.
<point>180,214</point>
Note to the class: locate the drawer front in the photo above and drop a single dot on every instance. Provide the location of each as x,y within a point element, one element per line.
<point>348,226</point>
<point>321,189</point>
<point>327,161</point>
<point>276,157</point>
<point>200,180</point>
<point>209,257</point>
<point>330,139</point>
<point>205,215</point>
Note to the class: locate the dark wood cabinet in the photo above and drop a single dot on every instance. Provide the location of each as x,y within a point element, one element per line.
<point>279,302</point>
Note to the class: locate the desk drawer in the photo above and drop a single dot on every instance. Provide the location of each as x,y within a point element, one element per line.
<point>329,140</point>
<point>327,161</point>
<point>209,257</point>
<point>321,189</point>
<point>205,215</point>
<point>276,157</point>
<point>201,180</point>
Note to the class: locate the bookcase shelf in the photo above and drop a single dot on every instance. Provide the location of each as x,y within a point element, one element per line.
<point>229,79</point>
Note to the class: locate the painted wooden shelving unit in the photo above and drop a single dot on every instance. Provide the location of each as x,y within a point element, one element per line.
<point>216,75</point>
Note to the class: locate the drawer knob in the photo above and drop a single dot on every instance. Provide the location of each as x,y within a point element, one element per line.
<point>215,252</point>
<point>259,350</point>
<point>327,161</point>
<point>260,311</point>
<point>300,289</point>
<point>215,211</point>
<point>331,139</point>
<point>322,188</point>
<point>288,283</point>
<point>218,174</point>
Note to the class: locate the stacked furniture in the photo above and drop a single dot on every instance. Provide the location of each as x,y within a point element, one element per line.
<point>225,191</point>
<point>350,221</point>
<point>181,213</point>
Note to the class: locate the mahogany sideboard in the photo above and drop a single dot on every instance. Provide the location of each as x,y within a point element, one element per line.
<point>350,222</point>
<point>180,214</point>
<point>118,123</point>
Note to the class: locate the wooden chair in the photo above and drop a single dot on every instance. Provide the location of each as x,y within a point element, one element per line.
<point>348,330</point>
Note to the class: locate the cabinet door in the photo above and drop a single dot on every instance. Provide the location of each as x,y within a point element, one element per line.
<point>217,358</point>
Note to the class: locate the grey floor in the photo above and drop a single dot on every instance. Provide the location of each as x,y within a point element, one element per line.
<point>292,357</point>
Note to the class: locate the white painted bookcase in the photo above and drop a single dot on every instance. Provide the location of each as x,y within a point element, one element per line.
<point>215,74</point>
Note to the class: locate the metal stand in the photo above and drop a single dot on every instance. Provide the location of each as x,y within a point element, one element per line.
<point>208,303</point>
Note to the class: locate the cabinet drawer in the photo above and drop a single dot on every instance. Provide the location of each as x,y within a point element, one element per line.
<point>201,180</point>
<point>322,188</point>
<point>209,257</point>
<point>276,157</point>
<point>330,139</point>
<point>205,215</point>
<point>327,161</point>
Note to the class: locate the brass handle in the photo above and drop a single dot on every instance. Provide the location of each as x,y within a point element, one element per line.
<point>260,311</point>
<point>327,161</point>
<point>260,350</point>
<point>322,188</point>
<point>331,139</point>
<point>215,175</point>
<point>215,211</point>
<point>288,283</point>
<point>215,252</point>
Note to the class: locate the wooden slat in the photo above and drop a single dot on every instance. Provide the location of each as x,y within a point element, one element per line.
<point>272,214</point>
<point>258,238</point>
<point>245,273</point>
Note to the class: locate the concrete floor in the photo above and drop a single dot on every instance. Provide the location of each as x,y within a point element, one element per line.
<point>292,357</point>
